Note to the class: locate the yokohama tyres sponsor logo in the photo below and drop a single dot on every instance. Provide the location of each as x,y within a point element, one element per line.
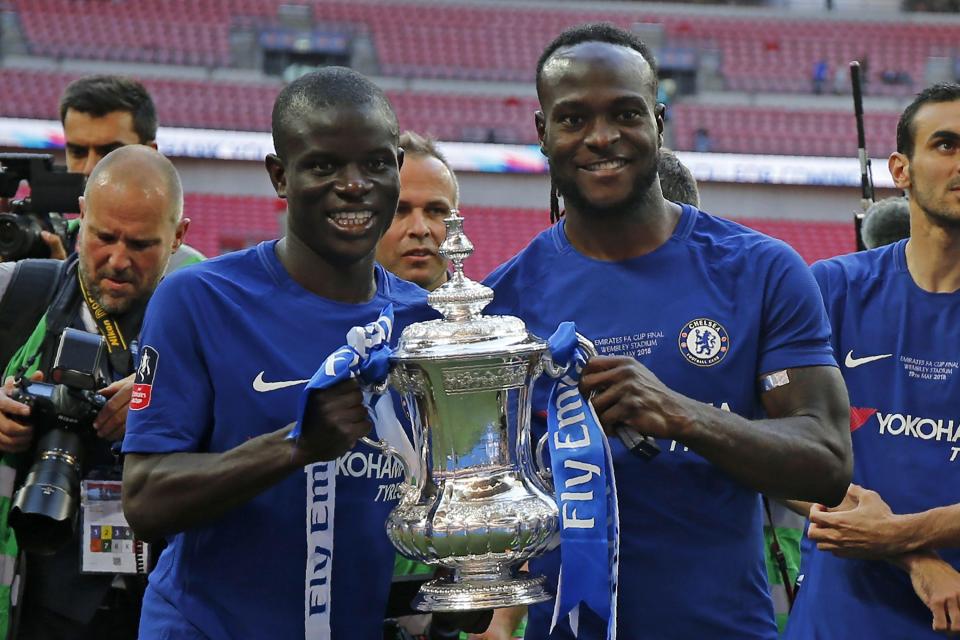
<point>898,424</point>
<point>945,430</point>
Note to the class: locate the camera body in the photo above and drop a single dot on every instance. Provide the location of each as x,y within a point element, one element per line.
<point>57,406</point>
<point>53,192</point>
<point>44,510</point>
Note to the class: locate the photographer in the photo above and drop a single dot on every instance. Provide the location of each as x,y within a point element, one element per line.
<point>100,113</point>
<point>131,223</point>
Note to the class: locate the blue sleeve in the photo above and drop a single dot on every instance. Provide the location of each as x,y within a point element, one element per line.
<point>173,392</point>
<point>828,275</point>
<point>795,330</point>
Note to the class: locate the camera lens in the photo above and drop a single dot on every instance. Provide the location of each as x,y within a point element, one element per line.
<point>45,507</point>
<point>20,237</point>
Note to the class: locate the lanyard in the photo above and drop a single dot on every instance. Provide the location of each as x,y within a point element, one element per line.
<point>117,348</point>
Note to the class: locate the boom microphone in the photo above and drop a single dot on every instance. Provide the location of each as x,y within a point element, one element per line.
<point>866,173</point>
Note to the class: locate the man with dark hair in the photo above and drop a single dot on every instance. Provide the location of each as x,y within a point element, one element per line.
<point>906,130</point>
<point>886,560</point>
<point>885,222</point>
<point>676,182</point>
<point>101,113</point>
<point>713,340</point>
<point>273,537</point>
<point>131,223</point>
<point>596,32</point>
<point>428,192</point>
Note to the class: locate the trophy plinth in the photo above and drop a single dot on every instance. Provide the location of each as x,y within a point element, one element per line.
<point>510,589</point>
<point>480,507</point>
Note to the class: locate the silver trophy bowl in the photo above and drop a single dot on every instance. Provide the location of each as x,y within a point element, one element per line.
<point>474,500</point>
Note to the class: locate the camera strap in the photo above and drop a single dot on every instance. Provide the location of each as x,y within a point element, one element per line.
<point>31,289</point>
<point>118,349</point>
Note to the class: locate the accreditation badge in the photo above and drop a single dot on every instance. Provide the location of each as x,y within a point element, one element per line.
<point>107,543</point>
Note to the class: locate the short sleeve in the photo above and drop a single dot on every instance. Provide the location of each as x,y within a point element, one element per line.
<point>171,407</point>
<point>795,328</point>
<point>828,275</point>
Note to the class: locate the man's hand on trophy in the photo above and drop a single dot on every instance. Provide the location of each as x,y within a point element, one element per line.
<point>627,393</point>
<point>333,421</point>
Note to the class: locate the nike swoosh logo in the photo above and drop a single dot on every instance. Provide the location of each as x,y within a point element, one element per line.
<point>262,387</point>
<point>852,362</point>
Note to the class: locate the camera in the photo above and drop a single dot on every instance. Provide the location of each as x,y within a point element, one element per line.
<point>53,192</point>
<point>44,511</point>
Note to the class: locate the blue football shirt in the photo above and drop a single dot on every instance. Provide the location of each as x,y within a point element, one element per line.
<point>231,342</point>
<point>708,312</point>
<point>899,347</point>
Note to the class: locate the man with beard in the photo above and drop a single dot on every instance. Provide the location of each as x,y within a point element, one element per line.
<point>713,341</point>
<point>272,536</point>
<point>885,561</point>
<point>131,223</point>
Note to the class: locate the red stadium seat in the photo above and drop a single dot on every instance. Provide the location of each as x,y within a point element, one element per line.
<point>430,40</point>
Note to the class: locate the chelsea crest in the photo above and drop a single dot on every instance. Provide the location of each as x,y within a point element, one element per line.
<point>704,342</point>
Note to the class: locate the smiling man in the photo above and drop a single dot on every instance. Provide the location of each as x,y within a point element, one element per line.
<point>884,564</point>
<point>271,537</point>
<point>713,340</point>
<point>428,192</point>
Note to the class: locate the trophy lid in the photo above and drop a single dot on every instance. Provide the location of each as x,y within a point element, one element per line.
<point>463,331</point>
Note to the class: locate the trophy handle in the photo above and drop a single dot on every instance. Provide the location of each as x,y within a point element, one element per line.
<point>544,473</point>
<point>384,447</point>
<point>393,441</point>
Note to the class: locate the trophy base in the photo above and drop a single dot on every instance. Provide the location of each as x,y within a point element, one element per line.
<point>444,594</point>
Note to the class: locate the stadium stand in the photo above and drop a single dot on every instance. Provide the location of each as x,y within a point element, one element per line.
<point>473,42</point>
<point>474,118</point>
<point>220,223</point>
<point>781,131</point>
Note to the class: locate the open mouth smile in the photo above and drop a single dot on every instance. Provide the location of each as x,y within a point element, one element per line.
<point>612,164</point>
<point>352,220</point>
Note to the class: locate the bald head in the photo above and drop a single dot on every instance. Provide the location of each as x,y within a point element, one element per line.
<point>137,168</point>
<point>131,223</point>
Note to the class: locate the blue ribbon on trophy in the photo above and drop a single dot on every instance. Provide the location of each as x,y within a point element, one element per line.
<point>366,356</point>
<point>584,482</point>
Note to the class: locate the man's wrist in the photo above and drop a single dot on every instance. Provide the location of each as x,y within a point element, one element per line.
<point>915,560</point>
<point>691,418</point>
<point>287,447</point>
<point>905,533</point>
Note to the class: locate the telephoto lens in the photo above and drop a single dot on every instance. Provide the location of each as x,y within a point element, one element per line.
<point>44,510</point>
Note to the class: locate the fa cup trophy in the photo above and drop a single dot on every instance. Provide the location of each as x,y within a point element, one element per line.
<point>476,502</point>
